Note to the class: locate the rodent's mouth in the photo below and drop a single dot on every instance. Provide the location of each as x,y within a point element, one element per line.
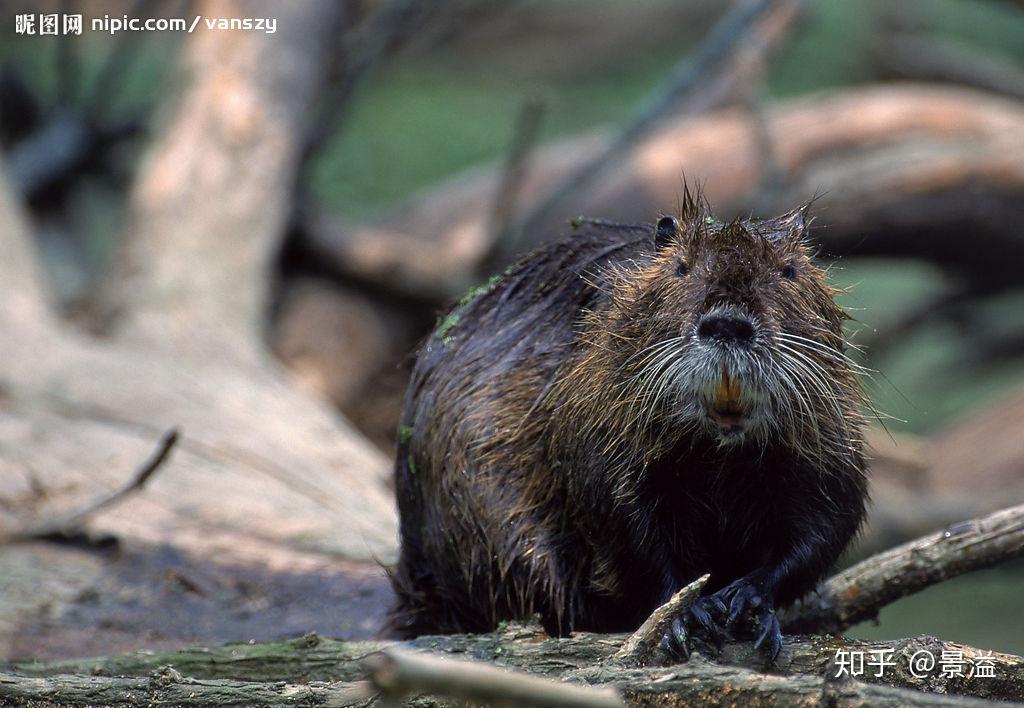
<point>726,409</point>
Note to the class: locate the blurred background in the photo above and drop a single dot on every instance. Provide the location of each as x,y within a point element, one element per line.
<point>440,139</point>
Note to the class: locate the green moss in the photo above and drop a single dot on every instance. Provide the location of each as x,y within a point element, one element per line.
<point>451,320</point>
<point>479,290</point>
<point>404,434</point>
<point>449,323</point>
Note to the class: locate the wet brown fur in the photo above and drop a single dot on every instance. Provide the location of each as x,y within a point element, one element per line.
<point>540,470</point>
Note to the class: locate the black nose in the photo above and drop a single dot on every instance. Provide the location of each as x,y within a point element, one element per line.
<point>726,328</point>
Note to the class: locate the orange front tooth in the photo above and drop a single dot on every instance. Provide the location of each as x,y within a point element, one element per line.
<point>722,390</point>
<point>728,391</point>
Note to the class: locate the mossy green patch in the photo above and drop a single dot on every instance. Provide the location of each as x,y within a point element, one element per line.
<point>478,290</point>
<point>450,321</point>
<point>404,434</point>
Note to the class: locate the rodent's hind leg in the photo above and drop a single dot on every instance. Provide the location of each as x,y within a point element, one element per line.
<point>752,611</point>
<point>700,626</point>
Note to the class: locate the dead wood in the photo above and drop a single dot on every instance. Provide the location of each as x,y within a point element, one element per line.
<point>641,645</point>
<point>208,208</point>
<point>274,671</point>
<point>808,667</point>
<point>397,673</point>
<point>857,594</point>
<point>264,476</point>
<point>71,522</point>
<point>719,69</point>
<point>22,290</point>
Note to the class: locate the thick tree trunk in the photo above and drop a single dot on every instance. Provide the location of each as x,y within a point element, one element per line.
<point>208,209</point>
<point>264,479</point>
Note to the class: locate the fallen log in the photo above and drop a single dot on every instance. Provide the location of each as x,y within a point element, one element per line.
<point>808,668</point>
<point>275,673</point>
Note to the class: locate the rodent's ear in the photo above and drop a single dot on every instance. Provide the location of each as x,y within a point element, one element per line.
<point>665,232</point>
<point>790,226</point>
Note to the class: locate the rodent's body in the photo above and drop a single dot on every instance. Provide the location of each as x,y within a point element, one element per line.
<point>613,418</point>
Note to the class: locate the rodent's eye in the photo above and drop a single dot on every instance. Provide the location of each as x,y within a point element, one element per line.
<point>681,268</point>
<point>665,231</point>
<point>789,271</point>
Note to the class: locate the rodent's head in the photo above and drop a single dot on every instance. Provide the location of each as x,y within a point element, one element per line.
<point>729,329</point>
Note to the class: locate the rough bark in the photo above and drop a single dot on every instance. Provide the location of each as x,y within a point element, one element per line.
<point>806,669</point>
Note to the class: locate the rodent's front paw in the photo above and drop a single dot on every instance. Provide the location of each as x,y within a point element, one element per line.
<point>752,611</point>
<point>699,626</point>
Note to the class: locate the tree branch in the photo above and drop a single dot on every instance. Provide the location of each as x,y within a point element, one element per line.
<point>66,523</point>
<point>930,57</point>
<point>398,673</point>
<point>726,49</point>
<point>806,670</point>
<point>858,593</point>
<point>907,170</point>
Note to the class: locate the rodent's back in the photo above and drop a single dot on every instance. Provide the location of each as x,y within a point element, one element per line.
<point>478,376</point>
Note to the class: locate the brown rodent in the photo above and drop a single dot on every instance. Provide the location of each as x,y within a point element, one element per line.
<point>620,413</point>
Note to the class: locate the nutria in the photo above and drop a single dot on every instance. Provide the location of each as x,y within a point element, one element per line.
<point>621,412</point>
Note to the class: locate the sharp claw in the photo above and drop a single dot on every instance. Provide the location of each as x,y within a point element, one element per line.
<point>698,627</point>
<point>674,643</point>
<point>737,609</point>
<point>719,606</point>
<point>770,636</point>
<point>703,619</point>
<point>679,631</point>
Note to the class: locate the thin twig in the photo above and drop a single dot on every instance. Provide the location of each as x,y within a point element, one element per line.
<point>857,594</point>
<point>524,139</point>
<point>363,48</point>
<point>699,67</point>
<point>641,645</point>
<point>399,672</point>
<point>73,520</point>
